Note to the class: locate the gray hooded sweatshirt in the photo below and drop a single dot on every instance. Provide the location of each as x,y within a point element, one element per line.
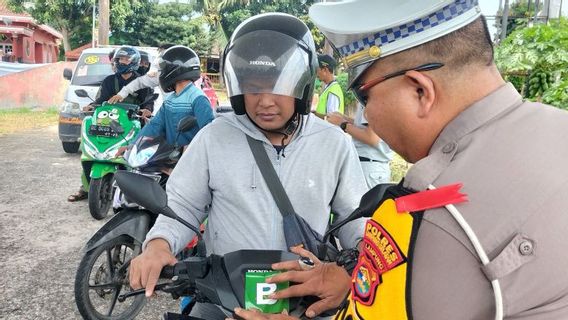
<point>217,177</point>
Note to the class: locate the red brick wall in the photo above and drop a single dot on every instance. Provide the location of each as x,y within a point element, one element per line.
<point>41,87</point>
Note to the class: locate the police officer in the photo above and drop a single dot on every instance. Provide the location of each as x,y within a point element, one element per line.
<point>425,71</point>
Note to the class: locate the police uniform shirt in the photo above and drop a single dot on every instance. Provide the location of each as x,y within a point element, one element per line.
<point>511,157</point>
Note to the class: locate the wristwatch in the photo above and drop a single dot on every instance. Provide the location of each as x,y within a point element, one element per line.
<point>343,126</point>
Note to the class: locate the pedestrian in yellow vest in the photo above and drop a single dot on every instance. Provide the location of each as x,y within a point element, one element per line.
<point>331,99</point>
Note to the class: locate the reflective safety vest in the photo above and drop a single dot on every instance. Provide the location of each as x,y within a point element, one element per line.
<point>334,88</point>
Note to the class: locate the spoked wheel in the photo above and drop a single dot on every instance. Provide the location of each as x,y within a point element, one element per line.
<point>102,276</point>
<point>100,196</point>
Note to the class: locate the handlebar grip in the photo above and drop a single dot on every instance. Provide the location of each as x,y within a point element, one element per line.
<point>168,272</point>
<point>192,267</point>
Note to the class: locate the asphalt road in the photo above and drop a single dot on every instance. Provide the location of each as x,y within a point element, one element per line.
<point>41,234</point>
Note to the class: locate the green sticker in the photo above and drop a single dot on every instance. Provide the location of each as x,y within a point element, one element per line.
<point>257,292</point>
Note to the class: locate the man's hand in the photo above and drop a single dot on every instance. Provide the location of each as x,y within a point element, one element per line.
<point>257,315</point>
<point>145,269</point>
<point>121,151</point>
<point>337,118</point>
<point>116,98</point>
<point>88,108</point>
<point>146,114</point>
<point>327,281</point>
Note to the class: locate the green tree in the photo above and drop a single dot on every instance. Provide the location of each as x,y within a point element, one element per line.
<point>519,15</point>
<point>234,12</point>
<point>73,18</point>
<point>536,60</point>
<point>172,22</point>
<point>128,20</point>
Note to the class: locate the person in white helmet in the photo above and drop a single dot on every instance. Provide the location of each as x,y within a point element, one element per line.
<point>426,74</point>
<point>269,69</point>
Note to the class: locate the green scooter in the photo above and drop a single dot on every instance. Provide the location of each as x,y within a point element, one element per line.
<point>110,127</point>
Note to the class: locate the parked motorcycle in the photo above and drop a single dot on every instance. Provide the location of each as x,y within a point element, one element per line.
<point>102,272</point>
<point>110,127</point>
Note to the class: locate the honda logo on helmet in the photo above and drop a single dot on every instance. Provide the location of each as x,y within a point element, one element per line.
<point>262,63</point>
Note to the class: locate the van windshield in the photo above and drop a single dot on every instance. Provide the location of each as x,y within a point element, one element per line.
<point>91,69</point>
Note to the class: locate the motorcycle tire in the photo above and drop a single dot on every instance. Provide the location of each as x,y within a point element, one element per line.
<point>70,147</point>
<point>100,196</point>
<point>99,282</point>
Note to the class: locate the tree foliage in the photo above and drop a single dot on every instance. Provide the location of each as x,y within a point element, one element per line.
<point>519,16</point>
<point>538,58</point>
<point>172,22</point>
<point>233,13</point>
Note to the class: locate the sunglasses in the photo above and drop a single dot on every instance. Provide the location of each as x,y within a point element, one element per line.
<point>361,90</point>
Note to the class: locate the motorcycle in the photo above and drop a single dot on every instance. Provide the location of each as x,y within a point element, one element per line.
<point>102,272</point>
<point>228,281</point>
<point>110,127</point>
<point>152,157</point>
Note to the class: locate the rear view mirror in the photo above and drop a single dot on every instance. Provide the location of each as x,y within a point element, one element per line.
<point>82,93</point>
<point>67,73</point>
<point>143,190</point>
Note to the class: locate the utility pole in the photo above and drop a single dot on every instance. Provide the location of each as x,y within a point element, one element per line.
<point>504,21</point>
<point>536,3</point>
<point>104,22</point>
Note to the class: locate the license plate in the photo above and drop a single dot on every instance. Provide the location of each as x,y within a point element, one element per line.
<point>104,131</point>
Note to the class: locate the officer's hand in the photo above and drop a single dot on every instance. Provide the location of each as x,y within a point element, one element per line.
<point>145,269</point>
<point>327,281</point>
<point>88,108</point>
<point>257,315</point>
<point>115,99</point>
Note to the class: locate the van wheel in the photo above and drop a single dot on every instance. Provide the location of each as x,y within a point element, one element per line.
<point>70,147</point>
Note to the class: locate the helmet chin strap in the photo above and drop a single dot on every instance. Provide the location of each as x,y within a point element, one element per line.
<point>287,130</point>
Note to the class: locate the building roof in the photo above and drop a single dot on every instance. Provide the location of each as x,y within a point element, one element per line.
<point>7,17</point>
<point>76,53</point>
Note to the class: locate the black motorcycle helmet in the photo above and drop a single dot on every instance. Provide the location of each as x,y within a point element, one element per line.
<point>275,50</point>
<point>144,58</point>
<point>178,63</point>
<point>133,57</point>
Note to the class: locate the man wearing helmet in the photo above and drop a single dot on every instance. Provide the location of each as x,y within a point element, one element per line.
<point>148,80</point>
<point>425,72</point>
<point>269,69</point>
<point>125,62</point>
<point>179,67</point>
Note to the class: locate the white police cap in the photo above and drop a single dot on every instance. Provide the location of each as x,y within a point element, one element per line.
<point>363,31</point>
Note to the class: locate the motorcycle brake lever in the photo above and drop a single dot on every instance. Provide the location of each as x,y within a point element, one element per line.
<point>158,287</point>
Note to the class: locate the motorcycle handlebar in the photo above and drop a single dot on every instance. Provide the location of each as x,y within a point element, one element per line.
<point>191,268</point>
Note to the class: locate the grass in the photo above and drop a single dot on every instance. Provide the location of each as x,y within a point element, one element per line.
<point>21,119</point>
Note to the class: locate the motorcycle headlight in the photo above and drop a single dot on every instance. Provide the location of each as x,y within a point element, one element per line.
<point>70,107</point>
<point>140,158</point>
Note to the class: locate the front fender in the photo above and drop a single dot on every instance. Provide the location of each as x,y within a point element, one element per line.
<point>134,223</point>
<point>100,169</point>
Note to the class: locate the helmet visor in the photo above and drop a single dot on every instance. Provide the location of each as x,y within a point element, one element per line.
<point>267,62</point>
